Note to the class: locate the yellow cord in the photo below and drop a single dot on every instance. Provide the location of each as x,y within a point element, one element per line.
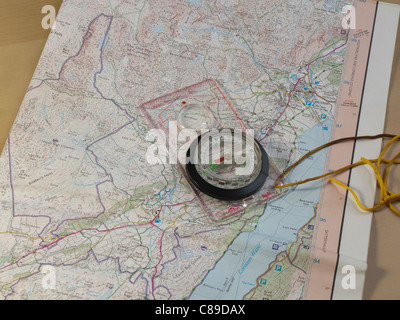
<point>386,196</point>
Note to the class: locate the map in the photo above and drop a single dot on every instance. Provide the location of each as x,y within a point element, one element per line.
<point>84,216</point>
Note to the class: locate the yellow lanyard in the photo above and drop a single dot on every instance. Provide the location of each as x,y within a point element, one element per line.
<point>386,197</point>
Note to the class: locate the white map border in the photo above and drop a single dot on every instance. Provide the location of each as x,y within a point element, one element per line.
<point>356,227</point>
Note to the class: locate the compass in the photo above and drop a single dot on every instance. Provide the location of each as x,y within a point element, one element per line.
<point>227,164</point>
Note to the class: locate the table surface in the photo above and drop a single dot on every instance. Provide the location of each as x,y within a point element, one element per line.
<point>21,43</point>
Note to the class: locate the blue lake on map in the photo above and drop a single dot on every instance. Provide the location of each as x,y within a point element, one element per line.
<point>251,252</point>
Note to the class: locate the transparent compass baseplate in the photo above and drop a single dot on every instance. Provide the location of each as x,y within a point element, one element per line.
<point>185,115</point>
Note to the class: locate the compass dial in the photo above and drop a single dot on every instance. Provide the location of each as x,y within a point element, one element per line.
<point>227,164</point>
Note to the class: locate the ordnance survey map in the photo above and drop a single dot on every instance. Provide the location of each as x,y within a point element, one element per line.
<point>84,216</point>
